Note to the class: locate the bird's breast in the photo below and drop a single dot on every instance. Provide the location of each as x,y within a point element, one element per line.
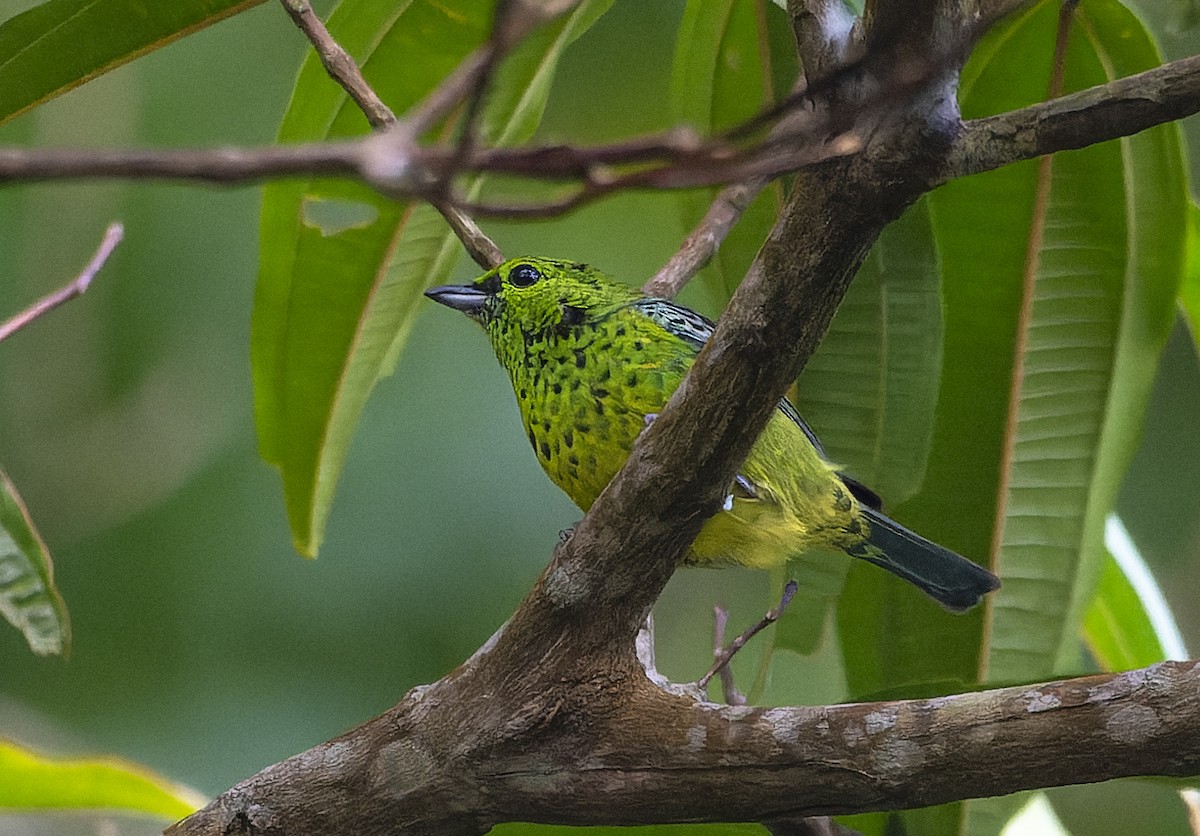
<point>583,403</point>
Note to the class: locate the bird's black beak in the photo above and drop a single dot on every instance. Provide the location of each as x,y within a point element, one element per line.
<point>466,298</point>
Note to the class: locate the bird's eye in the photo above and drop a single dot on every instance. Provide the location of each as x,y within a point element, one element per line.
<point>523,275</point>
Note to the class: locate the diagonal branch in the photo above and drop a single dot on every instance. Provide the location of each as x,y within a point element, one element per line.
<point>343,69</point>
<point>76,287</point>
<point>338,63</point>
<point>1108,111</point>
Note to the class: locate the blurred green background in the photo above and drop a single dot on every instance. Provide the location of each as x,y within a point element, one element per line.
<point>203,646</point>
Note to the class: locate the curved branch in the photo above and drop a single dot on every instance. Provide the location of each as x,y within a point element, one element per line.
<point>1108,111</point>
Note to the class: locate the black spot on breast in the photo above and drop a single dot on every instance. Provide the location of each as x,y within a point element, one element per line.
<point>546,425</point>
<point>632,380</point>
<point>599,393</point>
<point>557,388</point>
<point>580,358</point>
<point>638,345</point>
<point>620,330</point>
<point>544,449</point>
<point>532,439</point>
<point>573,460</point>
<point>569,438</point>
<point>604,374</point>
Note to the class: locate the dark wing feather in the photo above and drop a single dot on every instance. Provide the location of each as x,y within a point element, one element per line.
<point>695,329</point>
<point>691,327</point>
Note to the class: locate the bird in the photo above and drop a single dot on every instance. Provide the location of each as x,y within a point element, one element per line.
<point>592,361</point>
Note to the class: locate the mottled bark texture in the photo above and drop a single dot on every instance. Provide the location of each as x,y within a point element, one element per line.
<point>556,720</point>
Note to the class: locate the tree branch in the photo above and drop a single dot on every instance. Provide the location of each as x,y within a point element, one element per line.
<point>702,243</point>
<point>203,165</point>
<point>338,63</point>
<point>660,757</point>
<point>1120,108</point>
<point>76,287</point>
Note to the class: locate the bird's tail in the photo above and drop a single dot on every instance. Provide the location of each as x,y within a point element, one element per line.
<point>953,581</point>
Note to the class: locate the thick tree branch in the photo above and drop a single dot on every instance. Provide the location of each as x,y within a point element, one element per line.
<point>1120,108</point>
<point>658,757</point>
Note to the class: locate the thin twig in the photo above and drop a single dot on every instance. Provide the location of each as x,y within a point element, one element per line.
<point>343,69</point>
<point>728,689</point>
<point>1116,109</point>
<point>724,657</point>
<point>702,243</point>
<point>338,63</point>
<point>76,287</point>
<point>481,248</point>
<point>206,165</point>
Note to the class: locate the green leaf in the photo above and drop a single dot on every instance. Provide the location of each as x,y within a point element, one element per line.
<point>335,300</point>
<point>1128,623</point>
<point>731,59</point>
<point>1103,305</point>
<point>1117,630</point>
<point>1101,308</point>
<point>60,44</point>
<point>29,781</point>
<point>870,390</point>
<point>1189,291</point>
<point>28,597</point>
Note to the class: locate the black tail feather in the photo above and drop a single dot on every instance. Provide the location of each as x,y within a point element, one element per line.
<point>953,581</point>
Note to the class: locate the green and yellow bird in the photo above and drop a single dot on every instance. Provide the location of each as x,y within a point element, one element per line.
<point>592,360</point>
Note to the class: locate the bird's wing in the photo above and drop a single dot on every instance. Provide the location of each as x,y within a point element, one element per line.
<point>695,329</point>
<point>691,327</point>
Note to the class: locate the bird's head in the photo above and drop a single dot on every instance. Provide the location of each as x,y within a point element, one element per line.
<point>534,295</point>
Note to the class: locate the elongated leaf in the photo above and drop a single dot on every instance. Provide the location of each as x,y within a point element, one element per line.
<point>29,599</point>
<point>1116,628</point>
<point>1105,278</point>
<point>29,781</point>
<point>1189,291</point>
<point>731,58</point>
<point>1128,623</point>
<point>870,390</point>
<point>1102,310</point>
<point>342,269</point>
<point>60,44</point>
